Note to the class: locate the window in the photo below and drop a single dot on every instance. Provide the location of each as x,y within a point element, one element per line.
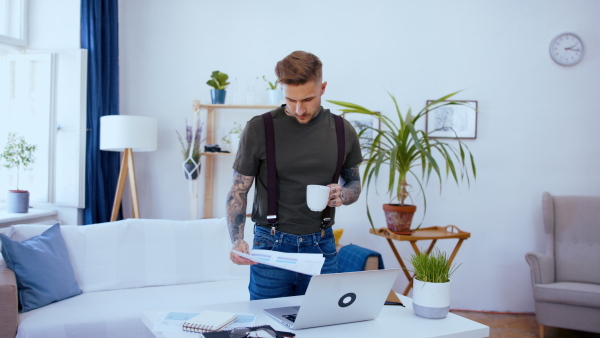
<point>13,22</point>
<point>43,98</point>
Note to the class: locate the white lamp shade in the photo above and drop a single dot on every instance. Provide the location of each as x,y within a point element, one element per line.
<point>119,132</point>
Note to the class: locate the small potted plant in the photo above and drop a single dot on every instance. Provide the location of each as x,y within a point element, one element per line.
<point>18,154</point>
<point>275,94</point>
<point>233,137</point>
<point>431,283</point>
<point>218,81</point>
<point>190,148</point>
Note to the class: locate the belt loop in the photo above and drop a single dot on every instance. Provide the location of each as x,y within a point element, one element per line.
<point>279,237</point>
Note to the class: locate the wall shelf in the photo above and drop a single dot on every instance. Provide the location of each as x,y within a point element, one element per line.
<point>209,159</point>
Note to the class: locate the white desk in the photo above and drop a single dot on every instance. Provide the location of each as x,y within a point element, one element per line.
<point>394,321</point>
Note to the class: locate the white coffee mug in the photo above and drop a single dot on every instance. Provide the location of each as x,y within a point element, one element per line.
<point>317,196</point>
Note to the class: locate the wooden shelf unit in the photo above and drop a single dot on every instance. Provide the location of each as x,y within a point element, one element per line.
<point>210,157</point>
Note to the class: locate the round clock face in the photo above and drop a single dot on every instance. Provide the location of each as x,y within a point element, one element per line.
<point>566,49</point>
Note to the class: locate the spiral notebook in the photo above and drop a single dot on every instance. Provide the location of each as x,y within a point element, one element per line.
<point>208,321</point>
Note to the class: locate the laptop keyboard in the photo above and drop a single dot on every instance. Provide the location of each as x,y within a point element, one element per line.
<point>291,318</point>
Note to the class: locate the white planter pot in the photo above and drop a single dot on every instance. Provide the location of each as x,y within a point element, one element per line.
<point>234,142</point>
<point>431,300</point>
<point>275,97</point>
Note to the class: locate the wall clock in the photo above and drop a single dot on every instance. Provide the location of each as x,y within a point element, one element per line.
<point>566,49</point>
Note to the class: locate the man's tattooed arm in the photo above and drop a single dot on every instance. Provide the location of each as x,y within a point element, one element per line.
<point>351,185</point>
<point>237,200</point>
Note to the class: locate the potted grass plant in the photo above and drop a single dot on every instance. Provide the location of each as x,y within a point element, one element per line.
<point>431,283</point>
<point>190,149</point>
<point>20,155</point>
<point>218,81</point>
<point>410,153</point>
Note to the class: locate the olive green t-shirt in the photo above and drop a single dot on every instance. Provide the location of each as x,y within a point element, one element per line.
<point>305,154</point>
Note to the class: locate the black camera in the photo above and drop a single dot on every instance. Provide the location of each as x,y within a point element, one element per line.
<point>212,148</point>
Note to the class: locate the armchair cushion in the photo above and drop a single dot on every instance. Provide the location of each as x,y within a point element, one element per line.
<point>42,267</point>
<point>577,238</point>
<point>578,294</point>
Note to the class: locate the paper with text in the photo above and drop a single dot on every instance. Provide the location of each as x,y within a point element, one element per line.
<point>309,264</point>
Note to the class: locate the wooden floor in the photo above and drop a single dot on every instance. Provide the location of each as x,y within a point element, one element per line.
<point>519,325</point>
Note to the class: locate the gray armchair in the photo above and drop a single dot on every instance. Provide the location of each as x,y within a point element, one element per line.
<point>566,279</point>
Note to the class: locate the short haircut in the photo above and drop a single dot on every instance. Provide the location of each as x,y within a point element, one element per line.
<point>298,68</point>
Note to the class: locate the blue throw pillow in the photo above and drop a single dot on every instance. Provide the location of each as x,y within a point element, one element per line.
<point>42,267</point>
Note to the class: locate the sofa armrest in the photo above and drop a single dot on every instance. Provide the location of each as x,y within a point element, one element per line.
<point>9,311</point>
<point>542,267</point>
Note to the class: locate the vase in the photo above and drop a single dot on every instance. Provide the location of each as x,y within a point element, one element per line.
<point>191,169</point>
<point>234,142</point>
<point>217,96</point>
<point>399,217</point>
<point>275,97</point>
<point>17,201</point>
<point>431,300</point>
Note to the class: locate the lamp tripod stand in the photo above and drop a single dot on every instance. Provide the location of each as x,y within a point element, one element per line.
<point>127,168</point>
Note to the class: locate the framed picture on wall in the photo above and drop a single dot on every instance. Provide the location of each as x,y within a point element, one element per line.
<point>365,124</point>
<point>452,120</point>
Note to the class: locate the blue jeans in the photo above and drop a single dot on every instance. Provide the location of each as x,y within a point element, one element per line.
<point>271,282</point>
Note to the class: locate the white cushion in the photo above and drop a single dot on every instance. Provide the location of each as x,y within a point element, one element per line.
<point>118,313</point>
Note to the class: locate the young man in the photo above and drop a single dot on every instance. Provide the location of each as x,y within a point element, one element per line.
<point>306,152</point>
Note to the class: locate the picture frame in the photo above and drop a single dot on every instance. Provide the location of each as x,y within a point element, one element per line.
<point>452,121</point>
<point>362,122</point>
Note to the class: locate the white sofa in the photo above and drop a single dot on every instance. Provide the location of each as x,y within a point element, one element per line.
<point>124,268</point>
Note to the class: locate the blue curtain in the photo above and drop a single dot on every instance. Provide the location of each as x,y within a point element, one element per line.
<point>99,35</point>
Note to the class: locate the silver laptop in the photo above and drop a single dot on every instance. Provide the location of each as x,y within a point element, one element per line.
<point>344,297</point>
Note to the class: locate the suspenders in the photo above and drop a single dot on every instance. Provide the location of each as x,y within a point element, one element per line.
<point>272,170</point>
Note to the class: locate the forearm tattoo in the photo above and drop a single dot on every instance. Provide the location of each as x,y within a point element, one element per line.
<point>351,187</point>
<point>237,200</point>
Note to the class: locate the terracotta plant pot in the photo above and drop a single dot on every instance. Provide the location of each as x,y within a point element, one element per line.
<point>399,217</point>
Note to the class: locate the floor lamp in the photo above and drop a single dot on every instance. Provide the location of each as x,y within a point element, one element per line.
<point>127,133</point>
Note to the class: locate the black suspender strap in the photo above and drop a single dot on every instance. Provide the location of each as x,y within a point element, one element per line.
<point>339,130</point>
<point>272,170</point>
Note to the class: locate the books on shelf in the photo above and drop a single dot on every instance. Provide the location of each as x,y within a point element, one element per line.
<point>208,321</point>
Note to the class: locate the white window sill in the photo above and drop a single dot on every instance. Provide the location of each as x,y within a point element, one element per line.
<point>6,218</point>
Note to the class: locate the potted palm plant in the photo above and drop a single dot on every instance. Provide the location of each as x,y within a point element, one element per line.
<point>218,81</point>
<point>190,149</point>
<point>18,154</point>
<point>410,153</point>
<point>431,283</point>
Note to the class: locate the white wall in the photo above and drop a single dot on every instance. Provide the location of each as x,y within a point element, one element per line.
<point>537,127</point>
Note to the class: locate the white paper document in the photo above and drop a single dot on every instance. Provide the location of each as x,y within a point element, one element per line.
<point>309,264</point>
